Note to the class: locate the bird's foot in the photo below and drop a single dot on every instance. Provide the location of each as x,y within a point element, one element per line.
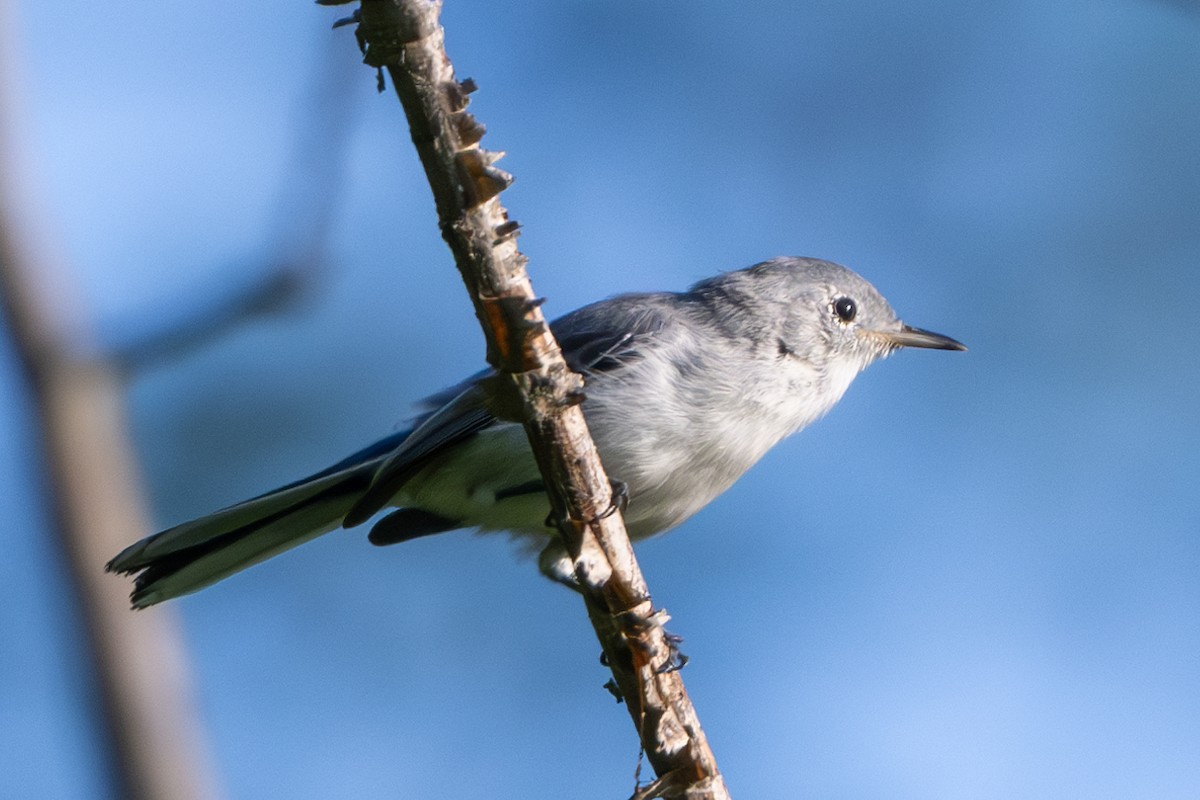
<point>620,498</point>
<point>674,659</point>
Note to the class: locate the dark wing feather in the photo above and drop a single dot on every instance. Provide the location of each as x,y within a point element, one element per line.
<point>458,420</point>
<point>406,524</point>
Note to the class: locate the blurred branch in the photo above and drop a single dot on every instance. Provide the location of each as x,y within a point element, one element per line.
<point>296,248</point>
<point>189,322</point>
<point>405,38</point>
<point>138,660</point>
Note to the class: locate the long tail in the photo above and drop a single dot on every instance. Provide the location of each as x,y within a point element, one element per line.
<point>193,555</point>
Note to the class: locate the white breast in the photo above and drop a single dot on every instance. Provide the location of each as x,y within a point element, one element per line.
<point>676,432</point>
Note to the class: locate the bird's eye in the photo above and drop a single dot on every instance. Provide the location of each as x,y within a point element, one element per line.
<point>845,308</point>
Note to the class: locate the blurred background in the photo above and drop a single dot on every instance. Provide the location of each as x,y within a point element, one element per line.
<point>977,578</point>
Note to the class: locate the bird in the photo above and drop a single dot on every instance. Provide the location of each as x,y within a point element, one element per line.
<point>683,393</point>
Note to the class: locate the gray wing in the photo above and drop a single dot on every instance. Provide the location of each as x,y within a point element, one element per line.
<point>598,338</point>
<point>458,420</point>
<point>605,336</point>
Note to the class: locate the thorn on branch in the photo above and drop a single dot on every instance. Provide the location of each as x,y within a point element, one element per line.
<point>507,230</point>
<point>353,19</point>
<point>379,50</point>
<point>482,180</point>
<point>576,397</point>
<point>456,96</point>
<point>469,129</point>
<point>492,183</point>
<point>674,784</point>
<point>514,343</point>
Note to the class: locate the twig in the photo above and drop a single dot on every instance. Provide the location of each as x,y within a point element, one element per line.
<point>405,38</point>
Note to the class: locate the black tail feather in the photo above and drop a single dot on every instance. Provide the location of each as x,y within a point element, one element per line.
<point>406,524</point>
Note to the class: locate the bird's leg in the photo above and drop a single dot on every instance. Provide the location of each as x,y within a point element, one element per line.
<point>676,660</point>
<point>555,563</point>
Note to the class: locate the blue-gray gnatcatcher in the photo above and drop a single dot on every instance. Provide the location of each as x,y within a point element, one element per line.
<point>684,392</point>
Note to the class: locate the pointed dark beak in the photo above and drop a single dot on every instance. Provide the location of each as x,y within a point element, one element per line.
<point>909,336</point>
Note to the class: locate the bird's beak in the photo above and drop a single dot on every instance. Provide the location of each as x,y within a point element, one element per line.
<point>909,336</point>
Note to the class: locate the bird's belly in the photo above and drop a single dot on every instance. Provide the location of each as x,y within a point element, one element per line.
<point>674,493</point>
<point>491,482</point>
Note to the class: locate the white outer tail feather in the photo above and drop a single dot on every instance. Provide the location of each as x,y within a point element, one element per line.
<point>301,513</point>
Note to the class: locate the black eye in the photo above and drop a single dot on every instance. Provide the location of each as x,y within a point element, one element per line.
<point>845,308</point>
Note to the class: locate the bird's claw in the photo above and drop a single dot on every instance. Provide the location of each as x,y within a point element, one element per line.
<point>620,498</point>
<point>676,659</point>
<point>619,501</point>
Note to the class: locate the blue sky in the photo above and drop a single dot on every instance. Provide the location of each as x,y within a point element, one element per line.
<point>976,578</point>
